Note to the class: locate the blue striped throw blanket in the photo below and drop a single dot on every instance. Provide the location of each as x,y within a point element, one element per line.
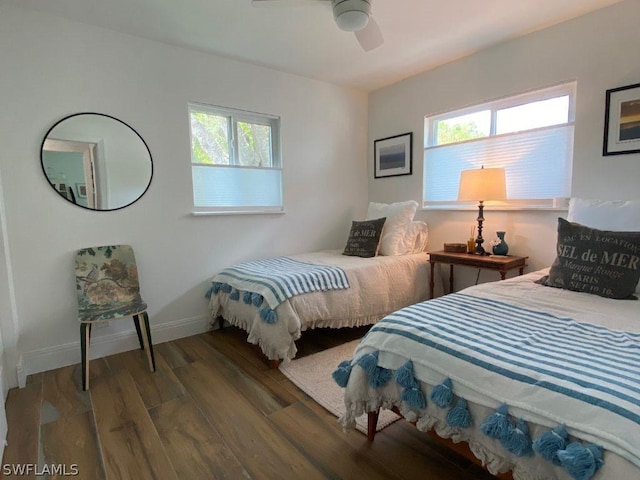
<point>275,280</point>
<point>552,370</point>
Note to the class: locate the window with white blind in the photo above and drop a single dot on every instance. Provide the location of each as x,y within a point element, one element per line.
<point>236,164</point>
<point>530,135</point>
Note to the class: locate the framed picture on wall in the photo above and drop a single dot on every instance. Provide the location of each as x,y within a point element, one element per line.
<point>392,155</point>
<point>622,121</point>
<point>81,188</point>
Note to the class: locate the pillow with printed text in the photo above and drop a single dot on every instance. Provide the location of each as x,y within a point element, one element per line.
<point>364,238</point>
<point>601,262</point>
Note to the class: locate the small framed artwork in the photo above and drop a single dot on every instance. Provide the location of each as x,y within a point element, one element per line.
<point>81,188</point>
<point>392,155</point>
<point>622,121</point>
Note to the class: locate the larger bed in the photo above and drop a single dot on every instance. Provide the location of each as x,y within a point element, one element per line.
<point>487,372</point>
<point>538,374</point>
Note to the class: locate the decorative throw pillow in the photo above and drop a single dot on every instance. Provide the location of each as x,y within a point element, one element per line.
<point>364,238</point>
<point>601,262</point>
<point>416,237</point>
<point>399,215</point>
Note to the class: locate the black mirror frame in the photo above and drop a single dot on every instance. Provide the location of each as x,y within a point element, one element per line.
<point>46,135</point>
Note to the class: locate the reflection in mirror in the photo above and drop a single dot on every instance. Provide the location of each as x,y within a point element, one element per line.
<point>96,161</point>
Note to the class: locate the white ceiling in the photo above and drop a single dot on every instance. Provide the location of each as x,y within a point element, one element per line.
<point>301,37</point>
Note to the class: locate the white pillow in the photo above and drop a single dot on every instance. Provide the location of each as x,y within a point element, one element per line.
<point>399,215</point>
<point>415,240</point>
<point>614,215</point>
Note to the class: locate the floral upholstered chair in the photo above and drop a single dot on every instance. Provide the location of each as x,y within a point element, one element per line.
<point>108,289</point>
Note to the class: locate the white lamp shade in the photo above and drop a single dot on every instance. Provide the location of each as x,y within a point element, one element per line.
<point>482,184</point>
<point>351,15</point>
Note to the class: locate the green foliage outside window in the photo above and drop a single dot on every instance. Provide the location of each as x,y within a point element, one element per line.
<point>210,141</point>
<point>254,144</point>
<point>457,132</point>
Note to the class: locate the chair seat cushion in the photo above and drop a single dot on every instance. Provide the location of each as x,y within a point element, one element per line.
<point>111,311</point>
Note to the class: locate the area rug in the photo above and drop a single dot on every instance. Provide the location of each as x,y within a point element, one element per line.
<point>312,374</point>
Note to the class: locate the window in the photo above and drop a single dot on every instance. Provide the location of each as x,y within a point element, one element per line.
<point>530,135</point>
<point>235,160</point>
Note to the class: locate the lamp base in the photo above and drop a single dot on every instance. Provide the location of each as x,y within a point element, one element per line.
<point>479,250</point>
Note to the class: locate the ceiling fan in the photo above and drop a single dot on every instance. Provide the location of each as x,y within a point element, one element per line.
<point>349,15</point>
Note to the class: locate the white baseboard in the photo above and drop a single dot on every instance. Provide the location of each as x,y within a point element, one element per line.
<point>20,373</point>
<point>41,360</point>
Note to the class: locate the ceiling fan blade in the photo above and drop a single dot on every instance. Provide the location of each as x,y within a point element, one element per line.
<point>370,37</point>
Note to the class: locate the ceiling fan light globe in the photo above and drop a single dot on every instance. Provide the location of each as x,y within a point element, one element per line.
<point>351,15</point>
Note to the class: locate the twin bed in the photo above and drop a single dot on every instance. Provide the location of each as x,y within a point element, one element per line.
<point>377,286</point>
<point>383,267</point>
<point>538,374</point>
<point>554,357</point>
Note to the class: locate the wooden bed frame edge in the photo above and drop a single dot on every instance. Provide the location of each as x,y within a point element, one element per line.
<point>461,448</point>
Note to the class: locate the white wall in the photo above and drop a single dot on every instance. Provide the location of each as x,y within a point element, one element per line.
<point>600,50</point>
<point>52,68</point>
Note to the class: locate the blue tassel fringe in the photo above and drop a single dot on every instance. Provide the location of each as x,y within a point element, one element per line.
<point>497,424</point>
<point>459,416</point>
<point>404,376</point>
<point>215,288</point>
<point>368,362</point>
<point>256,299</point>
<point>517,440</point>
<point>235,295</point>
<point>414,397</point>
<point>549,443</point>
<point>342,373</point>
<point>412,394</point>
<point>268,315</point>
<point>442,395</point>
<point>226,288</point>
<point>378,376</point>
<point>581,462</point>
<point>246,297</point>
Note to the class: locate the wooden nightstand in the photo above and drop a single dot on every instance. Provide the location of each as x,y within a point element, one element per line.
<point>499,263</point>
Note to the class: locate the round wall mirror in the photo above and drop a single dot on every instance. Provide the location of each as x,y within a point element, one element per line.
<point>96,161</point>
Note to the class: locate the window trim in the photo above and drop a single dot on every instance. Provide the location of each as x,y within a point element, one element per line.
<point>237,115</point>
<point>568,88</point>
<point>537,95</point>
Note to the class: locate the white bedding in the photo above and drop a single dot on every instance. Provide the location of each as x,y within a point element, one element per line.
<point>484,396</point>
<point>378,286</point>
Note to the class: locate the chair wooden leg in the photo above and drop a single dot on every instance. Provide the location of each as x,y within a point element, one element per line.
<point>136,322</point>
<point>85,340</point>
<point>148,345</point>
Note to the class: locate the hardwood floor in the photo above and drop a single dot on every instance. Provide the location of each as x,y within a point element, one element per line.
<point>213,410</point>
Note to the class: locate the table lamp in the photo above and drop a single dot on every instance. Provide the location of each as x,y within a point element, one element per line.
<point>482,184</point>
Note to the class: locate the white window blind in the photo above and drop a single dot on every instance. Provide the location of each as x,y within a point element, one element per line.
<point>235,160</point>
<point>237,188</point>
<point>534,163</point>
<point>530,135</point>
